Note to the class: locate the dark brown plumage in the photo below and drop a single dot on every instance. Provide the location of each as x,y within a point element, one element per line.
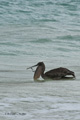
<point>55,74</point>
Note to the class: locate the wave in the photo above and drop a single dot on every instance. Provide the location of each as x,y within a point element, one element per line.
<point>9,44</point>
<point>69,37</point>
<point>41,40</point>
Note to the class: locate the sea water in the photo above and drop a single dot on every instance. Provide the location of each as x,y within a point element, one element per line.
<point>32,31</point>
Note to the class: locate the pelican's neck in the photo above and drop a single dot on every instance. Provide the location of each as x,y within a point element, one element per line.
<point>39,71</point>
<point>42,73</point>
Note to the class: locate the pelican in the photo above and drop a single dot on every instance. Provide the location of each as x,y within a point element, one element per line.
<point>54,74</point>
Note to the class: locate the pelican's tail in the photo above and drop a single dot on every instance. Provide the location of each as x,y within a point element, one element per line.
<point>72,73</point>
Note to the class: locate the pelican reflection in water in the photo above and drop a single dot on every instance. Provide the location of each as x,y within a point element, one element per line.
<point>55,74</point>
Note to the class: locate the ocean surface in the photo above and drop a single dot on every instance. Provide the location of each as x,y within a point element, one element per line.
<point>32,31</point>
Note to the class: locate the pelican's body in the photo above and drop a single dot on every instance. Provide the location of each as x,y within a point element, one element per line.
<point>58,73</point>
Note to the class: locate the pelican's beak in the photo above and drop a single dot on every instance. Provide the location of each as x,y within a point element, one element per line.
<point>32,66</point>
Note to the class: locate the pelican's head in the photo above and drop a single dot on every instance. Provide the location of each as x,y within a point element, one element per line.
<point>40,64</point>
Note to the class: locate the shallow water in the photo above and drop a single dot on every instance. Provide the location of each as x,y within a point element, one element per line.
<point>47,100</point>
<point>30,32</point>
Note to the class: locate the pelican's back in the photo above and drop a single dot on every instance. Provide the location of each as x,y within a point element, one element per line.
<point>59,73</point>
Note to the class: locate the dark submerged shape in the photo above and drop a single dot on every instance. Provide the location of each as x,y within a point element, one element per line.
<point>55,74</point>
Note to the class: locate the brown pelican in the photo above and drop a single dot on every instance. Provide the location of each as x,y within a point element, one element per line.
<point>55,74</point>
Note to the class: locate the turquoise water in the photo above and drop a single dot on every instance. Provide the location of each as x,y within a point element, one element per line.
<point>32,31</point>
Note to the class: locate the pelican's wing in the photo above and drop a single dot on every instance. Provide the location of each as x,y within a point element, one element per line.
<point>37,72</point>
<point>58,72</point>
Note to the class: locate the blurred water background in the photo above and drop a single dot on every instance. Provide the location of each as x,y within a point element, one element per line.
<point>32,31</point>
